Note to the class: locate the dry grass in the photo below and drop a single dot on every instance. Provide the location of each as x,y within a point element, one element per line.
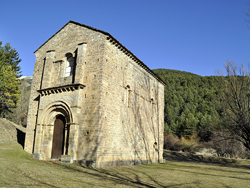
<point>181,170</point>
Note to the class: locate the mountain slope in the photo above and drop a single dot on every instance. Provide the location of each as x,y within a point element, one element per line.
<point>191,103</point>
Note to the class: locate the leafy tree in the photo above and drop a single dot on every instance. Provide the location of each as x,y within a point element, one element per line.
<point>236,102</point>
<point>9,72</point>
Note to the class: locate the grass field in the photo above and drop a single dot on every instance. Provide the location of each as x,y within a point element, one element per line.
<point>18,169</point>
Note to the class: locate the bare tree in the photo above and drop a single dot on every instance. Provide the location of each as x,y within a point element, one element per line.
<point>236,102</point>
<point>247,12</point>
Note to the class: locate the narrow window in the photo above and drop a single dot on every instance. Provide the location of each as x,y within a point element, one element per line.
<point>69,68</point>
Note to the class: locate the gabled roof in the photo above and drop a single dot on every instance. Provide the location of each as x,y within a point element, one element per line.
<point>117,43</point>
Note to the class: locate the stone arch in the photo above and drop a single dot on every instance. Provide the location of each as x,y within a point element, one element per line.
<point>48,117</point>
<point>53,110</point>
<point>68,54</point>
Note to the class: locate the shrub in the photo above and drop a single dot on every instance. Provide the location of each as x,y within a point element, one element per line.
<point>190,143</point>
<point>172,142</point>
<point>185,144</point>
<point>226,146</point>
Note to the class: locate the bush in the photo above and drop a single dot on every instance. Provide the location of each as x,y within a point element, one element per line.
<point>172,142</point>
<point>222,144</point>
<point>190,143</point>
<point>226,146</point>
<point>185,144</point>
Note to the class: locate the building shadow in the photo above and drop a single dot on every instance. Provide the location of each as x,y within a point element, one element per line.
<point>20,137</point>
<point>214,160</point>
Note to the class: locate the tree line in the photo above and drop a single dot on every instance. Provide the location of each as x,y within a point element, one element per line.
<point>205,105</point>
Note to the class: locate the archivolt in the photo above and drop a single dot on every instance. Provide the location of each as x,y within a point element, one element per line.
<point>51,111</point>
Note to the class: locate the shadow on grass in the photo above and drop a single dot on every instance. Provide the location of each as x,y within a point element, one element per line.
<point>137,177</point>
<point>189,157</point>
<point>190,168</point>
<point>145,175</point>
<point>132,178</point>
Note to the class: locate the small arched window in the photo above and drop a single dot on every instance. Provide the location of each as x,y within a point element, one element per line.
<point>69,67</point>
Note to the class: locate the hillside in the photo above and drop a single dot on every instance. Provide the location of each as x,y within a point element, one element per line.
<point>191,103</point>
<point>10,132</point>
<point>19,115</point>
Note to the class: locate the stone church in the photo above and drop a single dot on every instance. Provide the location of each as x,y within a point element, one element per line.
<point>93,102</point>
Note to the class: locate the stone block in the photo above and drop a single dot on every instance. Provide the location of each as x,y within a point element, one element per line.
<point>66,159</point>
<point>38,156</point>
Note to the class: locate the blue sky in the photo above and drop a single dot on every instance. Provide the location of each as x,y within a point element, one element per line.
<point>196,36</point>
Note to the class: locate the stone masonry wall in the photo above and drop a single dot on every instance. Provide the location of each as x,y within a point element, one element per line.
<point>132,118</point>
<point>86,46</point>
<point>114,118</point>
<point>89,120</point>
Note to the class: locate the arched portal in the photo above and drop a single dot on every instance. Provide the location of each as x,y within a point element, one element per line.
<point>55,119</point>
<point>58,137</point>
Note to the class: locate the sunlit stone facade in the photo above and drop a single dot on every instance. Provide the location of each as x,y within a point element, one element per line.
<point>93,102</point>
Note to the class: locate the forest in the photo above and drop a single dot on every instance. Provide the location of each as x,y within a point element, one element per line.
<point>210,109</point>
<point>192,103</point>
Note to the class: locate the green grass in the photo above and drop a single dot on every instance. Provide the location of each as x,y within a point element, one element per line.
<point>18,169</point>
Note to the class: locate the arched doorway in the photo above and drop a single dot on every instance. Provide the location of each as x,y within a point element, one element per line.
<point>58,137</point>
<point>55,119</point>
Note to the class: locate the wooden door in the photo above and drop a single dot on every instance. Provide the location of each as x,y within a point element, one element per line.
<point>58,139</point>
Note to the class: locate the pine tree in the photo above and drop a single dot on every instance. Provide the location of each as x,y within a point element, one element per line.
<point>10,56</point>
<point>9,84</point>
